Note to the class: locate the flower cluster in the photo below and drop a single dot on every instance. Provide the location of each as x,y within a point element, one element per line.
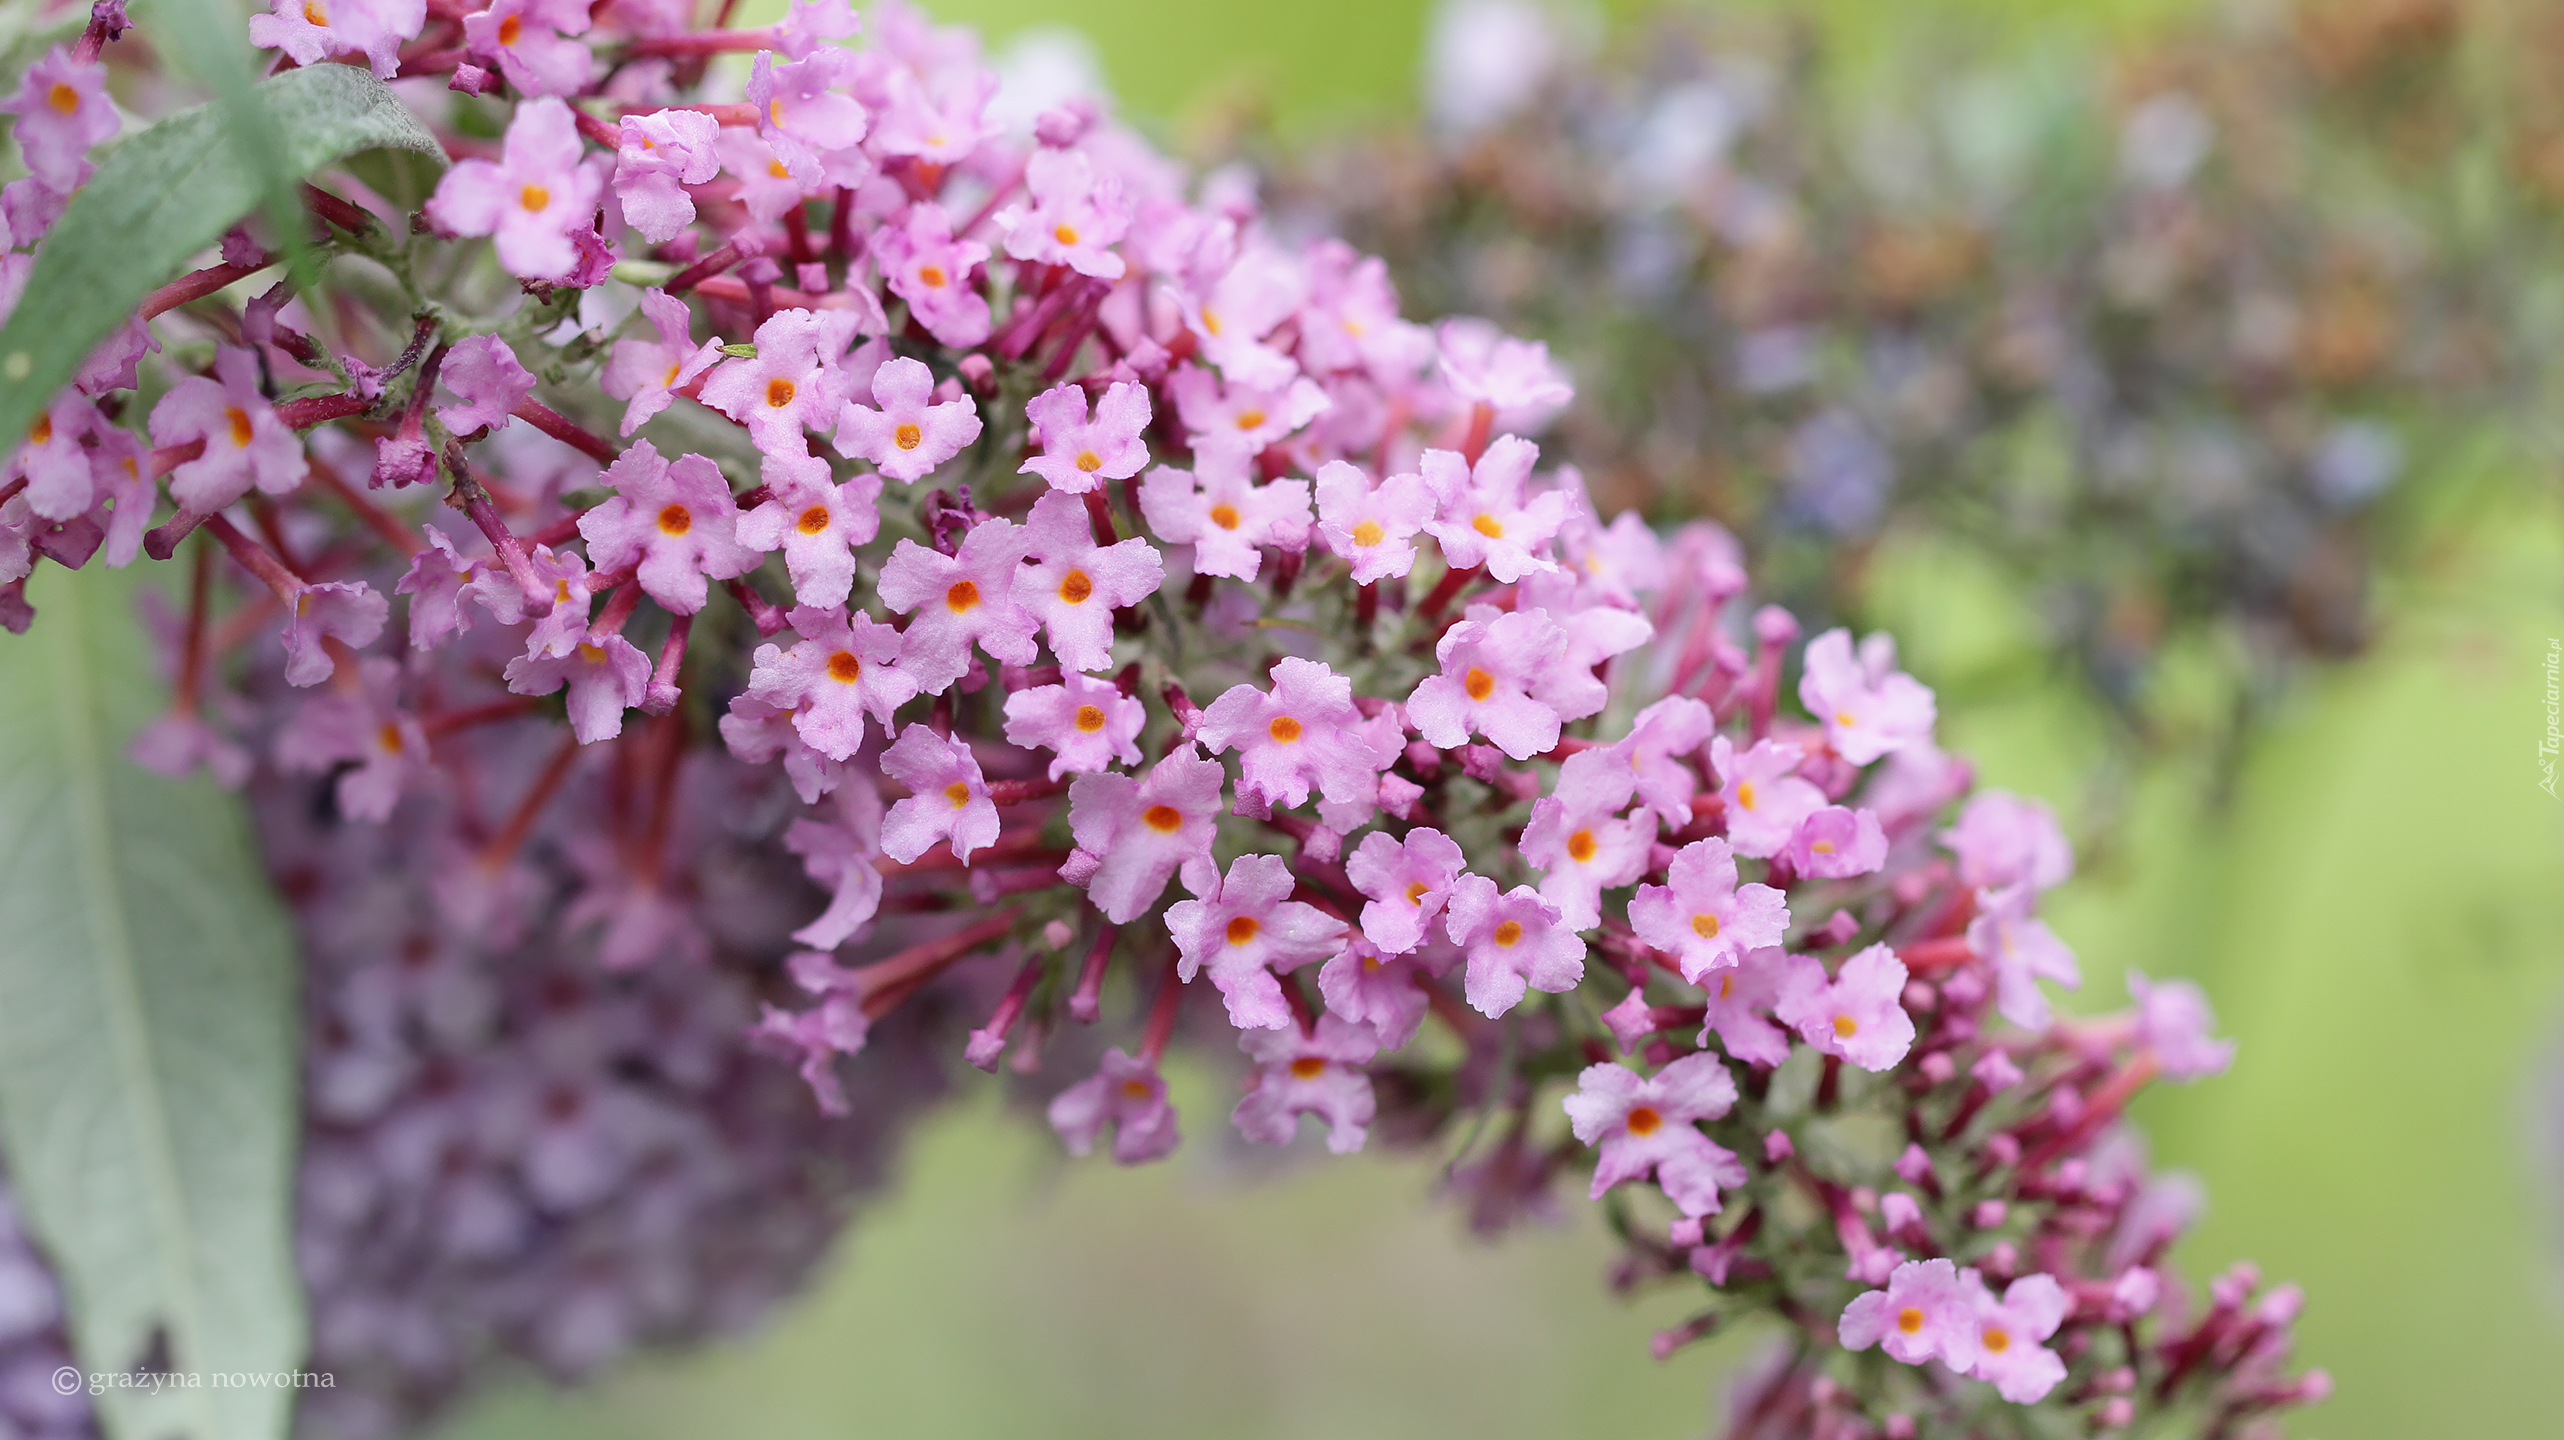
<point>1059,564</point>
<point>2126,357</point>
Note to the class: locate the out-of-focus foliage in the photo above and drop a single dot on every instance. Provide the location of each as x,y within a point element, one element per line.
<point>2176,335</point>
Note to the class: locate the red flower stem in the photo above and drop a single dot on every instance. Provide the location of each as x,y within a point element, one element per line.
<point>191,654</point>
<point>735,115</point>
<point>1927,957</point>
<point>1161,1016</point>
<point>704,42</point>
<point>503,846</point>
<point>796,231</point>
<point>1017,792</point>
<point>710,265</point>
<point>885,983</point>
<point>841,225</point>
<point>565,528</point>
<point>346,215</point>
<point>996,198</point>
<point>197,284</point>
<point>562,428</point>
<point>1023,845</point>
<point>1443,593</point>
<point>618,609</point>
<point>609,136</point>
<point>1482,421</point>
<point>476,505</point>
<point>2102,1108</point>
<point>764,613</point>
<point>449,721</point>
<point>1099,513</point>
<point>1011,1005</point>
<point>662,695</point>
<point>1366,608</point>
<point>375,518</point>
<point>1086,1004</point>
<point>257,559</point>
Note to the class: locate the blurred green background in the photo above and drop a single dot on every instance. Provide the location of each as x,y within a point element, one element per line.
<point>2378,915</point>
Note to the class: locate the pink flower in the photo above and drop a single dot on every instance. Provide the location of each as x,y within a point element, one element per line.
<point>381,744</point>
<point>809,24</point>
<point>2008,1354</point>
<point>1664,736</point>
<point>940,124</point>
<point>760,734</point>
<point>1350,319</point>
<point>532,198</point>
<point>925,266</point>
<point>1766,801</point>
<point>488,382</point>
<point>61,482</point>
<point>840,852</point>
<point>1087,723</point>
<point>960,599</point>
<point>816,523</point>
<point>814,131</point>
<point>1253,416</point>
<point>1514,377</point>
<point>348,611</point>
<point>245,443</point>
<point>657,157</point>
<point>1304,735</point>
<point>1925,1313</point>
<point>2022,950</point>
<point>1578,841</point>
<point>1515,941</point>
<point>1702,918</point>
<point>648,372</point>
<point>1318,1074</point>
<point>1137,832</point>
<point>817,1036</point>
<point>310,30</point>
<point>766,188</point>
<point>1483,517</point>
<point>1231,322</point>
<point>1739,997</point>
<point>1867,706</point>
<point>672,522</point>
<point>1075,218</point>
<point>1226,517</point>
<point>1406,883</point>
<point>1836,843</point>
<point>2173,1021</point>
<point>1078,455</point>
<point>948,801</point>
<point>606,676</point>
<point>529,40</point>
<point>792,382</point>
<point>838,671</point>
<point>1495,673</point>
<point>1373,529</point>
<point>1075,585</point>
<point>908,436</point>
<point>1385,992</point>
<point>2002,839</point>
<point>1127,1094</point>
<point>1646,1125</point>
<point>1858,1015</point>
<point>1244,928</point>
<point>62,109</point>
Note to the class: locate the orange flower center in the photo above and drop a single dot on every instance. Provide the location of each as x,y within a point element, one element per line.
<point>1089,461</point>
<point>1489,526</point>
<point>1076,587</point>
<point>777,169</point>
<point>845,667</point>
<point>1580,846</point>
<point>813,520</point>
<point>675,520</point>
<point>1308,1067</point>
<point>1910,1320</point>
<point>1478,683</point>
<point>1164,819</point>
<point>1284,729</point>
<point>1243,929</point>
<point>509,29</point>
<point>1065,234</point>
<point>63,98</point>
<point>1416,892</point>
<point>389,737</point>
<point>957,792</point>
<point>1644,1120</point>
<point>41,433</point>
<point>1137,1090</point>
<point>1509,934</point>
<point>1997,1339</point>
<point>779,393</point>
<point>314,14</point>
<point>907,437</point>
<point>241,429</point>
<point>533,197</point>
<point>1705,926</point>
<point>1249,419</point>
<point>933,277</point>
<point>1224,516</point>
<point>1845,1027</point>
<point>1745,794</point>
<point>962,596</point>
<point>1090,718</point>
<point>1368,533</point>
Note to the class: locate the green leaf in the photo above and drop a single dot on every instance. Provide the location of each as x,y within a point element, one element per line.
<point>161,197</point>
<point>149,1031</point>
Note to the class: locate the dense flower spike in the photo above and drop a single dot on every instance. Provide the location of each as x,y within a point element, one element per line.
<point>1521,784</point>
